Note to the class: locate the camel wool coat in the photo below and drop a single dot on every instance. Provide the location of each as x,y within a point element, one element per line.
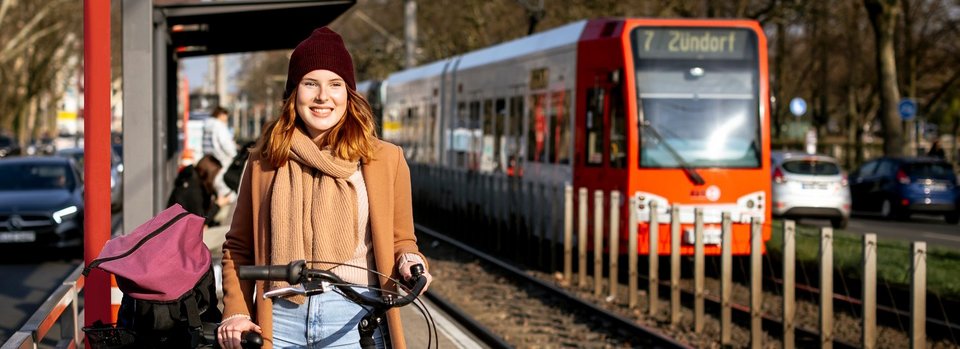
<point>387,179</point>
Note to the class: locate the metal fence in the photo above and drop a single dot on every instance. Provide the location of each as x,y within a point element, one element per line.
<point>61,308</point>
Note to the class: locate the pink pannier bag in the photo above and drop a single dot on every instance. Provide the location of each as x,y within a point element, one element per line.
<point>161,259</point>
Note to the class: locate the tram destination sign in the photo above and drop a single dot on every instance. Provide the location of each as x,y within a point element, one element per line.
<point>692,43</point>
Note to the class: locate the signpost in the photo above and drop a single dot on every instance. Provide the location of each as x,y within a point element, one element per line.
<point>798,106</point>
<point>908,111</point>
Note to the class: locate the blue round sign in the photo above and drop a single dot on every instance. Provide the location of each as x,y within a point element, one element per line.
<point>907,108</point>
<point>798,106</point>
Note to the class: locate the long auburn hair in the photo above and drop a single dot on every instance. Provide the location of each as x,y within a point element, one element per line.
<point>352,138</point>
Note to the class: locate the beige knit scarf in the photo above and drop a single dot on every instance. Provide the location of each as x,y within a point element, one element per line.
<point>313,206</point>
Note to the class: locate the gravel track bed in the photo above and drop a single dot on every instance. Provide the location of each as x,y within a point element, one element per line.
<point>524,317</point>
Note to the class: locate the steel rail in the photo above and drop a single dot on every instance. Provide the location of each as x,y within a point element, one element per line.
<point>654,335</point>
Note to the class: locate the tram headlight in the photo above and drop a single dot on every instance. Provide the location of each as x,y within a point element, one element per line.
<point>696,72</point>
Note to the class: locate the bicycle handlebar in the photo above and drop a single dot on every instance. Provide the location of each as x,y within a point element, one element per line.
<point>297,272</point>
<point>290,273</point>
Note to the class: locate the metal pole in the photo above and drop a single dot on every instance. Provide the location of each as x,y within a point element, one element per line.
<point>410,33</point>
<point>96,150</point>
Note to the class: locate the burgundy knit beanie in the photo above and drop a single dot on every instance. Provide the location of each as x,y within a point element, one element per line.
<point>324,49</point>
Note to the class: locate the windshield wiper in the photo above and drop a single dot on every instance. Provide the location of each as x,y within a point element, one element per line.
<point>691,173</point>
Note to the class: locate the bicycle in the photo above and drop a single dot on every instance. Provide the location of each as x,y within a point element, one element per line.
<point>308,281</point>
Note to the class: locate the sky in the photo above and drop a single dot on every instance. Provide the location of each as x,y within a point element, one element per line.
<point>196,70</point>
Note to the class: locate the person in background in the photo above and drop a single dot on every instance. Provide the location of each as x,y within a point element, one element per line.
<point>936,150</point>
<point>193,189</point>
<point>319,186</point>
<point>218,142</point>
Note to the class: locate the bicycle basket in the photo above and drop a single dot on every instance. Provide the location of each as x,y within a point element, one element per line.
<point>106,336</point>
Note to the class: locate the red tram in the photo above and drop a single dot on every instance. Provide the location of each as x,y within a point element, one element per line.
<point>674,111</point>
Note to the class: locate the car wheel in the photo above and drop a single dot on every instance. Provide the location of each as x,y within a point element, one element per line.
<point>839,223</point>
<point>886,209</point>
<point>952,218</point>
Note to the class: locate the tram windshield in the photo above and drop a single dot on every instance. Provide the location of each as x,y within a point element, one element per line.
<point>698,96</point>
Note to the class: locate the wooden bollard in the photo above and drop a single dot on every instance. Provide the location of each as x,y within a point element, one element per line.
<point>868,338</point>
<point>632,254</point>
<point>918,295</point>
<point>826,288</point>
<point>756,283</point>
<point>597,242</point>
<point>789,275</point>
<point>582,238</point>
<point>674,265</point>
<point>726,276</point>
<point>614,243</point>
<point>698,272</point>
<point>568,233</point>
<point>653,276</point>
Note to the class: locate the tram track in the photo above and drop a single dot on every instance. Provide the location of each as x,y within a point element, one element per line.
<point>524,310</point>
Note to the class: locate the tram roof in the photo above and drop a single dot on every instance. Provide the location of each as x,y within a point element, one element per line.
<point>557,37</point>
<point>208,28</point>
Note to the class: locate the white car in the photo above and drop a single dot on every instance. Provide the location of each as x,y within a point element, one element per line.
<point>810,186</point>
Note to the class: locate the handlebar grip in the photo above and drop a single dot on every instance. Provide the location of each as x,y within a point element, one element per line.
<point>416,270</point>
<point>289,273</point>
<point>251,340</point>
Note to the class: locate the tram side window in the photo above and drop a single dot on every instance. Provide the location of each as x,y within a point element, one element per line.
<point>409,127</point>
<point>536,133</point>
<point>594,127</point>
<point>561,127</point>
<point>498,140</point>
<point>460,141</point>
<point>488,138</point>
<point>515,135</point>
<point>618,131</point>
<point>432,134</point>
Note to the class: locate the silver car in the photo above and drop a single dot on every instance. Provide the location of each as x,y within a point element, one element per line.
<point>810,186</point>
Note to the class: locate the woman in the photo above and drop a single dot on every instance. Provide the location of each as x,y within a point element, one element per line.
<point>193,188</point>
<point>318,186</point>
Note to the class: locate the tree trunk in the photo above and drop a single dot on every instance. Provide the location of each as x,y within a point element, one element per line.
<point>883,16</point>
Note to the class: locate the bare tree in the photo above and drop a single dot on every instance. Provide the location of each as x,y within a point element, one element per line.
<point>37,40</point>
<point>883,16</point>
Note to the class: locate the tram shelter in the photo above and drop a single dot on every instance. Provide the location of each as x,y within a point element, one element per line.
<point>156,34</point>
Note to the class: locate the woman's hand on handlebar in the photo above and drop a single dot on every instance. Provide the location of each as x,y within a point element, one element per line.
<point>230,332</point>
<point>407,275</point>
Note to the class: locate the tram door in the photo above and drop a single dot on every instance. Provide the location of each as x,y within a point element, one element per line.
<point>604,160</point>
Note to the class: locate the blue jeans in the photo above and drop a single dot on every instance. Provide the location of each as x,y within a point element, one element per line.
<point>326,320</point>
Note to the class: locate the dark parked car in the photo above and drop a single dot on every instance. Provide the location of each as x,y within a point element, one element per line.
<point>8,146</point>
<point>895,187</point>
<point>41,202</point>
<point>116,173</point>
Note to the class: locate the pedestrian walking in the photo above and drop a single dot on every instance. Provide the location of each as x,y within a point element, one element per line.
<point>936,150</point>
<point>218,142</point>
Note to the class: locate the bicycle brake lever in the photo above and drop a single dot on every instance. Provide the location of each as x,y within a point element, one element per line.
<point>285,291</point>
